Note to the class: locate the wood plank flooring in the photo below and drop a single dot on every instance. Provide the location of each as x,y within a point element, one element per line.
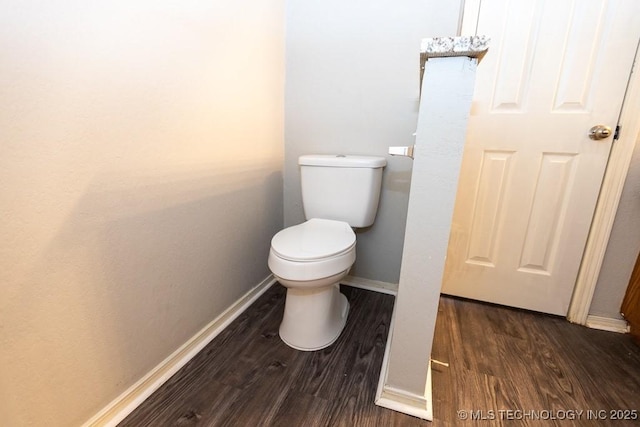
<point>500,359</point>
<point>508,359</point>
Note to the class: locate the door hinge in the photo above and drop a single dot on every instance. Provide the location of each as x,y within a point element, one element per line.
<point>616,133</point>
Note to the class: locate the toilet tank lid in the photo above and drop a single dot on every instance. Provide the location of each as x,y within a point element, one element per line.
<point>342,161</point>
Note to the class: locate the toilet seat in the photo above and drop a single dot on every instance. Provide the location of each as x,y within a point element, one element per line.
<point>312,250</point>
<point>314,240</point>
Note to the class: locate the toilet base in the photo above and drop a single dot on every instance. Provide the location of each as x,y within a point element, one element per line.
<point>313,318</point>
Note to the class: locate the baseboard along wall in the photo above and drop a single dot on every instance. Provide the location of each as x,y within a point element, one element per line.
<point>371,285</point>
<point>131,398</point>
<point>607,324</point>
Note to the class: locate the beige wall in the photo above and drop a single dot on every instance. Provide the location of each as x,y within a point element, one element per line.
<point>141,147</point>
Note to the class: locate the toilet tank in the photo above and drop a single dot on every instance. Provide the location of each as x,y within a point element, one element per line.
<point>342,188</point>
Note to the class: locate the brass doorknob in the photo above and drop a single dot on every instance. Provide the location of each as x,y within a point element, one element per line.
<point>600,132</point>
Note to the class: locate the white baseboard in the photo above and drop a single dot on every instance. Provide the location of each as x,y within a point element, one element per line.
<point>408,403</point>
<point>124,404</point>
<point>607,324</point>
<point>401,400</point>
<point>371,285</point>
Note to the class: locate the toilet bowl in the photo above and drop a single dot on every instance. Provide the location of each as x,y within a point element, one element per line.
<point>310,259</point>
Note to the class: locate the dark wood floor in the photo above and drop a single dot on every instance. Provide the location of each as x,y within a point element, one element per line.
<point>507,359</point>
<point>500,359</point>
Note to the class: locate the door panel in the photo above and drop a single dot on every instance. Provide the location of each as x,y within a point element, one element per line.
<point>531,176</point>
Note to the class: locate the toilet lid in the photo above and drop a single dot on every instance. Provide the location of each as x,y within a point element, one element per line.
<point>314,239</point>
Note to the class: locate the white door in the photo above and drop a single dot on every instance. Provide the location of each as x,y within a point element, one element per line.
<point>530,174</point>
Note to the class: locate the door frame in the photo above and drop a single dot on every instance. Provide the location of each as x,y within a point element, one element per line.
<point>612,183</point>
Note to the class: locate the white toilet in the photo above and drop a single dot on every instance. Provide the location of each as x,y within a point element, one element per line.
<point>338,192</point>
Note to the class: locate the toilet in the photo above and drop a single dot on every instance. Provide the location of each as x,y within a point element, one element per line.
<point>338,193</point>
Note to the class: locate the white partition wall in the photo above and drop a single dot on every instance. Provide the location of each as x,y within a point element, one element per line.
<point>447,90</point>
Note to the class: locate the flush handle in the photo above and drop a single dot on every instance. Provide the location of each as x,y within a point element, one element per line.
<point>600,132</point>
<point>402,151</point>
